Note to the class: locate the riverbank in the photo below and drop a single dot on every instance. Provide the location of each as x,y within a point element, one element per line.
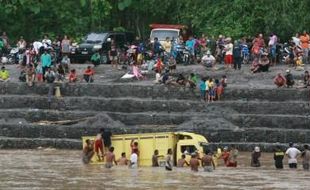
<point>61,169</point>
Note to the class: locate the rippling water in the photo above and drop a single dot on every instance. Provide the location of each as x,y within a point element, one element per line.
<point>59,169</point>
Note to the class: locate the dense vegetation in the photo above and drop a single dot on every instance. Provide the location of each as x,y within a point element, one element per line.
<point>236,18</point>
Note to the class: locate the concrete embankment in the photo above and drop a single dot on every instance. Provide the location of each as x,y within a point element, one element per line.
<point>245,116</point>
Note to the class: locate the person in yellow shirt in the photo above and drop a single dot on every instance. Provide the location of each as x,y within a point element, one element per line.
<point>4,75</point>
<point>167,45</point>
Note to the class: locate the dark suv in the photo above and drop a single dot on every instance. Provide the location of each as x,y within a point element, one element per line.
<point>100,42</point>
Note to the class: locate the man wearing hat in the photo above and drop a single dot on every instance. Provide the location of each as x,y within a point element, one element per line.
<point>4,75</point>
<point>208,60</point>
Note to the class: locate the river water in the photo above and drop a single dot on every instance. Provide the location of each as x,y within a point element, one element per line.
<point>60,169</point>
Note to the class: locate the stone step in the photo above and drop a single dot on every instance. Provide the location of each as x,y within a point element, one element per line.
<point>141,105</point>
<point>270,121</point>
<point>154,91</point>
<point>32,143</point>
<point>266,107</point>
<point>99,104</point>
<point>212,132</point>
<point>26,130</point>
<point>162,118</point>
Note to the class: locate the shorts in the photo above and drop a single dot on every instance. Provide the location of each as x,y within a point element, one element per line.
<point>228,59</point>
<point>113,58</point>
<point>40,76</point>
<point>211,93</point>
<point>108,165</point>
<point>172,67</point>
<point>231,164</point>
<point>133,166</point>
<point>98,145</point>
<point>208,169</point>
<point>292,165</point>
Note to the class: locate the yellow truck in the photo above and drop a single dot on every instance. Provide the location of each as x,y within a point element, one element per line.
<point>179,142</point>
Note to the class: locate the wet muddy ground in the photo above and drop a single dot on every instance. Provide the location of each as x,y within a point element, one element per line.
<point>61,169</point>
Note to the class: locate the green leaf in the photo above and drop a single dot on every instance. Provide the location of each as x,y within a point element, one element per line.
<point>83,3</point>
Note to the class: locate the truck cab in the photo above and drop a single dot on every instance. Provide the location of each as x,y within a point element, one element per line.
<point>162,31</point>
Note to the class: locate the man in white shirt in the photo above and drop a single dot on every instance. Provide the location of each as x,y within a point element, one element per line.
<point>292,154</point>
<point>46,42</point>
<point>133,160</point>
<point>208,60</point>
<point>37,45</point>
<point>229,53</point>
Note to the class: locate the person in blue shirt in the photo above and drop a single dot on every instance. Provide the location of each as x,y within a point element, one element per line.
<point>190,43</point>
<point>157,47</point>
<point>46,61</point>
<point>202,87</point>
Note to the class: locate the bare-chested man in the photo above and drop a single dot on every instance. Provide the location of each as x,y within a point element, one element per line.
<point>155,158</point>
<point>110,158</point>
<point>194,162</point>
<point>88,151</point>
<point>182,162</point>
<point>123,161</point>
<point>207,162</point>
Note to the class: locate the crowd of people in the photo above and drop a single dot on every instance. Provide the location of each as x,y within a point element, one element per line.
<point>43,61</point>
<point>103,149</point>
<point>161,57</point>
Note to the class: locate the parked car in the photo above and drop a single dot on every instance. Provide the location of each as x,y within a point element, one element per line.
<point>99,42</point>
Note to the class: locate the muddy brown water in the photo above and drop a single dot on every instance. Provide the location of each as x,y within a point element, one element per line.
<point>60,169</point>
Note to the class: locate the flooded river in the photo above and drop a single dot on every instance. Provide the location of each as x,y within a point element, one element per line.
<point>59,169</point>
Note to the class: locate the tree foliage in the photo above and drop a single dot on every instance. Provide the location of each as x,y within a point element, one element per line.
<point>236,18</point>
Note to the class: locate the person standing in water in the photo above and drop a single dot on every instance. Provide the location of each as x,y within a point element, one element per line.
<point>233,154</point>
<point>88,151</point>
<point>155,158</point>
<point>169,160</point>
<point>134,159</point>
<point>207,162</point>
<point>99,147</point>
<point>255,157</point>
<point>292,154</point>
<point>278,157</point>
<point>194,162</point>
<point>110,158</point>
<point>106,137</point>
<point>134,146</point>
<point>182,162</point>
<point>305,157</point>
<point>122,161</point>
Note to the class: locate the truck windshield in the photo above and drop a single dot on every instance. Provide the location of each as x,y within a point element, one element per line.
<point>163,34</point>
<point>95,38</point>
